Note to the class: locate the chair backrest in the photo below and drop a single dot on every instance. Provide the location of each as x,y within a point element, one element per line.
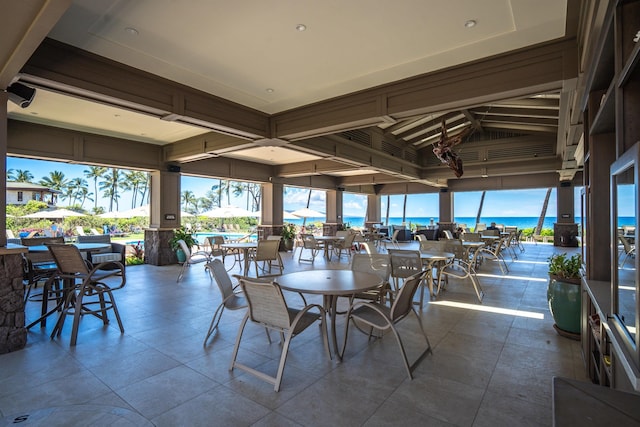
<point>185,248</point>
<point>394,236</point>
<point>40,257</point>
<point>267,250</point>
<point>403,303</point>
<point>10,234</point>
<point>480,226</point>
<point>343,233</point>
<point>266,303</point>
<point>68,259</point>
<point>278,238</point>
<point>100,238</point>
<point>491,232</point>
<point>308,241</point>
<point>628,248</point>
<point>471,237</point>
<point>348,240</point>
<point>421,237</point>
<point>214,243</point>
<point>447,234</point>
<point>379,264</point>
<point>404,262</point>
<point>455,247</point>
<point>219,273</point>
<point>432,245</point>
<point>369,247</point>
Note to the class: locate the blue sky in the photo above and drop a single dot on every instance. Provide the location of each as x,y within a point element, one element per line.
<point>527,203</point>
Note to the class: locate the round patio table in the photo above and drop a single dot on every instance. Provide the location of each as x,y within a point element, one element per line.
<point>331,284</point>
<point>244,247</point>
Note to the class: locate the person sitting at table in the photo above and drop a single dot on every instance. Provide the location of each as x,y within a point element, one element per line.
<point>492,226</point>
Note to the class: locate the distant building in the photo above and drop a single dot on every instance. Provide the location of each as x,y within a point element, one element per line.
<point>19,193</point>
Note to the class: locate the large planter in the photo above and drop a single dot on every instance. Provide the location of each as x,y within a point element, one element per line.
<point>287,244</point>
<point>564,297</point>
<point>182,257</point>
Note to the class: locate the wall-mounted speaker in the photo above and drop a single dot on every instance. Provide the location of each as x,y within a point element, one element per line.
<point>21,94</point>
<point>565,183</point>
<point>174,168</point>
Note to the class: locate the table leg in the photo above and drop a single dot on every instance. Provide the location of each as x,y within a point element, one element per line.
<point>334,336</point>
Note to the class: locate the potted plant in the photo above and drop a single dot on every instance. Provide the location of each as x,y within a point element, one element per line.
<point>564,293</point>
<point>181,234</point>
<point>288,236</point>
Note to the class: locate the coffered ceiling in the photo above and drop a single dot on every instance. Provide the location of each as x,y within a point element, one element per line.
<point>256,55</point>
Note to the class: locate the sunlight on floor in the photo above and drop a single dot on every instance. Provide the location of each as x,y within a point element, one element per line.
<point>500,276</point>
<point>520,313</point>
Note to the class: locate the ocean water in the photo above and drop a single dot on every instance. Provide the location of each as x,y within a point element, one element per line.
<point>517,221</point>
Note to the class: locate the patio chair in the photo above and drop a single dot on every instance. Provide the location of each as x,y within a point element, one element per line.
<point>213,245</point>
<point>231,299</point>
<point>115,253</point>
<point>495,252</point>
<point>344,245</point>
<point>462,267</point>
<point>379,264</point>
<point>368,247</point>
<point>191,258</point>
<point>86,289</point>
<point>38,268</point>
<point>267,307</point>
<point>404,264</point>
<point>393,239</point>
<point>266,252</point>
<point>383,318</point>
<point>310,243</point>
<point>628,250</point>
<point>80,230</point>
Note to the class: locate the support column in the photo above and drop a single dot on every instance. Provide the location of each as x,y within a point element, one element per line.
<point>333,209</point>
<point>13,335</point>
<point>565,231</point>
<point>272,210</point>
<point>374,211</point>
<point>164,218</point>
<point>446,211</point>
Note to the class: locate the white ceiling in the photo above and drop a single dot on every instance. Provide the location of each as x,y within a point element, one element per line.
<point>239,49</point>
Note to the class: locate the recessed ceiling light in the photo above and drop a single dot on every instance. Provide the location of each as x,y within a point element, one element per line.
<point>470,23</point>
<point>301,27</point>
<point>131,31</point>
<point>269,90</point>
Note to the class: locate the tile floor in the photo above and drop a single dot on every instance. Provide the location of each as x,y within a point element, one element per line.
<point>488,367</point>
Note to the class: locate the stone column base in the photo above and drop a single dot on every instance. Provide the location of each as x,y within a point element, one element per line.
<point>156,247</point>
<point>13,335</point>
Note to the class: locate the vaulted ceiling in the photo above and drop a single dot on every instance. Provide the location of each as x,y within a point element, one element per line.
<point>357,97</point>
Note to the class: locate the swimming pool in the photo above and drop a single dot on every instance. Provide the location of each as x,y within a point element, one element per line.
<point>200,237</point>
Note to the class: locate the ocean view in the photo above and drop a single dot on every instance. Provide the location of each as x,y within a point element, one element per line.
<point>517,221</point>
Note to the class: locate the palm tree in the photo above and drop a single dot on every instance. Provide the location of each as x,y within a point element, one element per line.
<point>480,207</point>
<point>388,204</point>
<point>11,175</point>
<point>404,209</point>
<point>238,191</point>
<point>76,187</point>
<point>205,203</point>
<point>56,180</point>
<point>189,199</point>
<point>95,173</point>
<point>21,175</point>
<point>110,187</point>
<point>134,181</point>
<point>222,187</point>
<point>543,213</point>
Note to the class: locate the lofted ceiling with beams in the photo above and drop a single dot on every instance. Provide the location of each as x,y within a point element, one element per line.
<point>256,56</point>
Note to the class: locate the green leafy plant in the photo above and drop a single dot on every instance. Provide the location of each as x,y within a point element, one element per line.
<point>564,267</point>
<point>182,234</point>
<point>288,231</point>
